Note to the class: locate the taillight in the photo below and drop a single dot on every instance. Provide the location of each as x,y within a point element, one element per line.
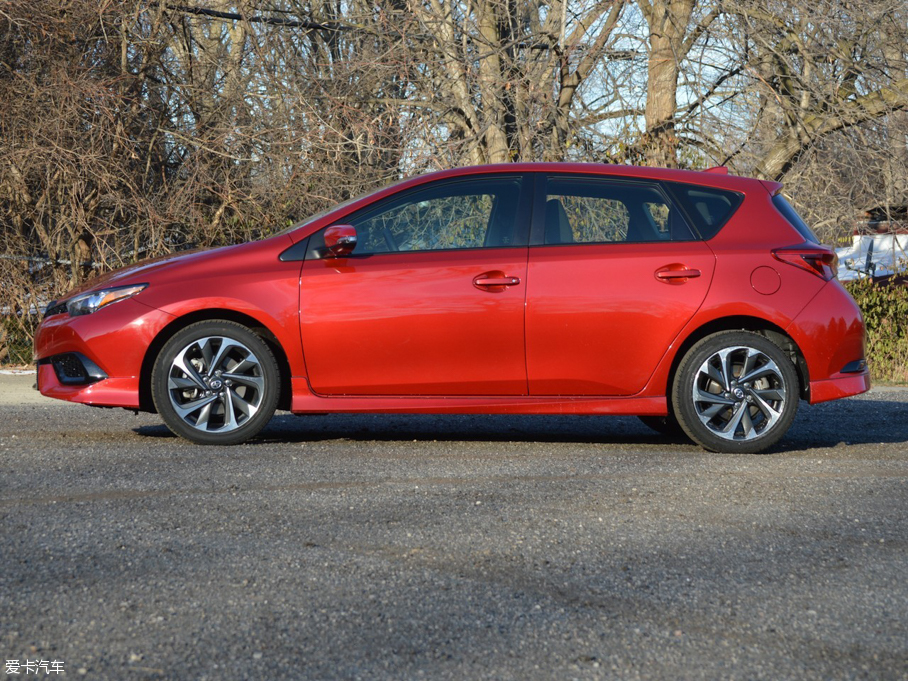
<point>816,259</point>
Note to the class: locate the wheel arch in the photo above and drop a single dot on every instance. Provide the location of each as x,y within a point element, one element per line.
<point>146,403</point>
<point>745,323</point>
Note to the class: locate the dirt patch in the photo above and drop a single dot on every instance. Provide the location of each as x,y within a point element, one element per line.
<point>18,388</point>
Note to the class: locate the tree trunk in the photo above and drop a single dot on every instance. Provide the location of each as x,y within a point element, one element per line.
<point>668,22</point>
<point>660,141</point>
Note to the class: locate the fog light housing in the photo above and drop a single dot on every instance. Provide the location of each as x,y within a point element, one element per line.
<point>74,368</point>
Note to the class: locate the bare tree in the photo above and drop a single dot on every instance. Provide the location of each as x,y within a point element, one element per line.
<point>673,28</point>
<point>503,77</point>
<point>821,68</point>
<point>140,127</point>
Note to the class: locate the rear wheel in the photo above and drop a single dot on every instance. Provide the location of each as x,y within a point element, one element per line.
<point>736,392</point>
<point>215,383</point>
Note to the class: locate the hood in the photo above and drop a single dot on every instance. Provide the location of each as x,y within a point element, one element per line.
<point>139,272</point>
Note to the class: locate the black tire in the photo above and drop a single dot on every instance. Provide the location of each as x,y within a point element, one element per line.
<point>744,416</point>
<point>215,383</point>
<point>664,425</point>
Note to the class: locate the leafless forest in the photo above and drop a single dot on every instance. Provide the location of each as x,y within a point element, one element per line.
<point>134,128</point>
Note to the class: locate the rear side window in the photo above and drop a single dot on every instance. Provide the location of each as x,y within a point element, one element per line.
<point>708,207</point>
<point>584,210</point>
<point>791,215</point>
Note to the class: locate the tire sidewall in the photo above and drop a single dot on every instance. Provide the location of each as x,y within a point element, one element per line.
<point>233,331</point>
<point>683,403</point>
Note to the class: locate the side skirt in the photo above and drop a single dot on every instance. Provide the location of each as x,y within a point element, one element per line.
<point>306,402</point>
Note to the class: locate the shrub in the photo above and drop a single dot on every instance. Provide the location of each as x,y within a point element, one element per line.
<point>15,343</point>
<point>885,308</point>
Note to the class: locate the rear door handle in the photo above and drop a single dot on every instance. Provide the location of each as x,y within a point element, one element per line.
<point>677,274</point>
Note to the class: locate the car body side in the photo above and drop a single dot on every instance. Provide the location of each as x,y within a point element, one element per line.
<point>250,283</point>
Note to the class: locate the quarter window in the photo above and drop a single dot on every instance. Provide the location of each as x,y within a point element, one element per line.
<point>708,207</point>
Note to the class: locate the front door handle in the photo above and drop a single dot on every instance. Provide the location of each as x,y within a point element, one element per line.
<point>669,275</point>
<point>494,281</point>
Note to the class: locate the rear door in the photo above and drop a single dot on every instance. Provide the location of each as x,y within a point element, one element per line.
<point>614,274</point>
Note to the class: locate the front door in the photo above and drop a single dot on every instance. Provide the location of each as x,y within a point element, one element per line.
<point>430,302</point>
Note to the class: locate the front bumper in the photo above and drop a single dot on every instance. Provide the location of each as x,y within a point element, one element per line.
<point>110,392</point>
<point>110,344</point>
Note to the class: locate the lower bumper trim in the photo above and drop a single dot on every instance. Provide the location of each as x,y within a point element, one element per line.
<point>110,392</point>
<point>842,385</point>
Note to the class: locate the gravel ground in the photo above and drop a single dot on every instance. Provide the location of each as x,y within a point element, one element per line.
<point>349,547</point>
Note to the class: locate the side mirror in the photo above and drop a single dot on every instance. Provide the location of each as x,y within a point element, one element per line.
<point>340,240</point>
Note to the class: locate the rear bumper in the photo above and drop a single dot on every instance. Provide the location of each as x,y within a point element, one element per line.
<point>843,385</point>
<point>830,333</point>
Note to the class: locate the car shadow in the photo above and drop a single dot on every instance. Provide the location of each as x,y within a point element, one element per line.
<point>290,428</point>
<point>854,421</point>
<point>875,418</point>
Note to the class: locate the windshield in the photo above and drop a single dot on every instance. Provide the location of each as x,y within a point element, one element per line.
<point>336,207</point>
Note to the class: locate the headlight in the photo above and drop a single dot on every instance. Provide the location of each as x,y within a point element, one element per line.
<point>94,301</point>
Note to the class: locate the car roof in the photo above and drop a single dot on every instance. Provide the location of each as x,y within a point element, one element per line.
<point>710,177</point>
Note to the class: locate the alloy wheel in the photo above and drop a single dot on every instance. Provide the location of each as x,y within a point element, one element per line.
<point>215,384</point>
<point>739,393</point>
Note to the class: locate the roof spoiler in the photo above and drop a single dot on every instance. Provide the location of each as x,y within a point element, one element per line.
<point>719,170</point>
<point>771,186</point>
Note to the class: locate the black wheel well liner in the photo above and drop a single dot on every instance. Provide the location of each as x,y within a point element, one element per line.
<point>146,403</point>
<point>744,323</point>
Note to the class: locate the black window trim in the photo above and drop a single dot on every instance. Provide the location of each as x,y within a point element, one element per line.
<point>537,232</point>
<point>524,208</point>
<point>793,218</point>
<point>297,252</point>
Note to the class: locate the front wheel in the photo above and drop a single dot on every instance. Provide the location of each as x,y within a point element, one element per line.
<point>215,383</point>
<point>735,392</point>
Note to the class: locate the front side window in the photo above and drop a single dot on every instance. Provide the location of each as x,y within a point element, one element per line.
<point>580,210</point>
<point>460,214</point>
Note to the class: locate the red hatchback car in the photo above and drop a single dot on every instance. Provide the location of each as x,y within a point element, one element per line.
<point>698,301</point>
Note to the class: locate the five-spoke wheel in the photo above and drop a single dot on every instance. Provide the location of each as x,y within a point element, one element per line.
<point>215,382</point>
